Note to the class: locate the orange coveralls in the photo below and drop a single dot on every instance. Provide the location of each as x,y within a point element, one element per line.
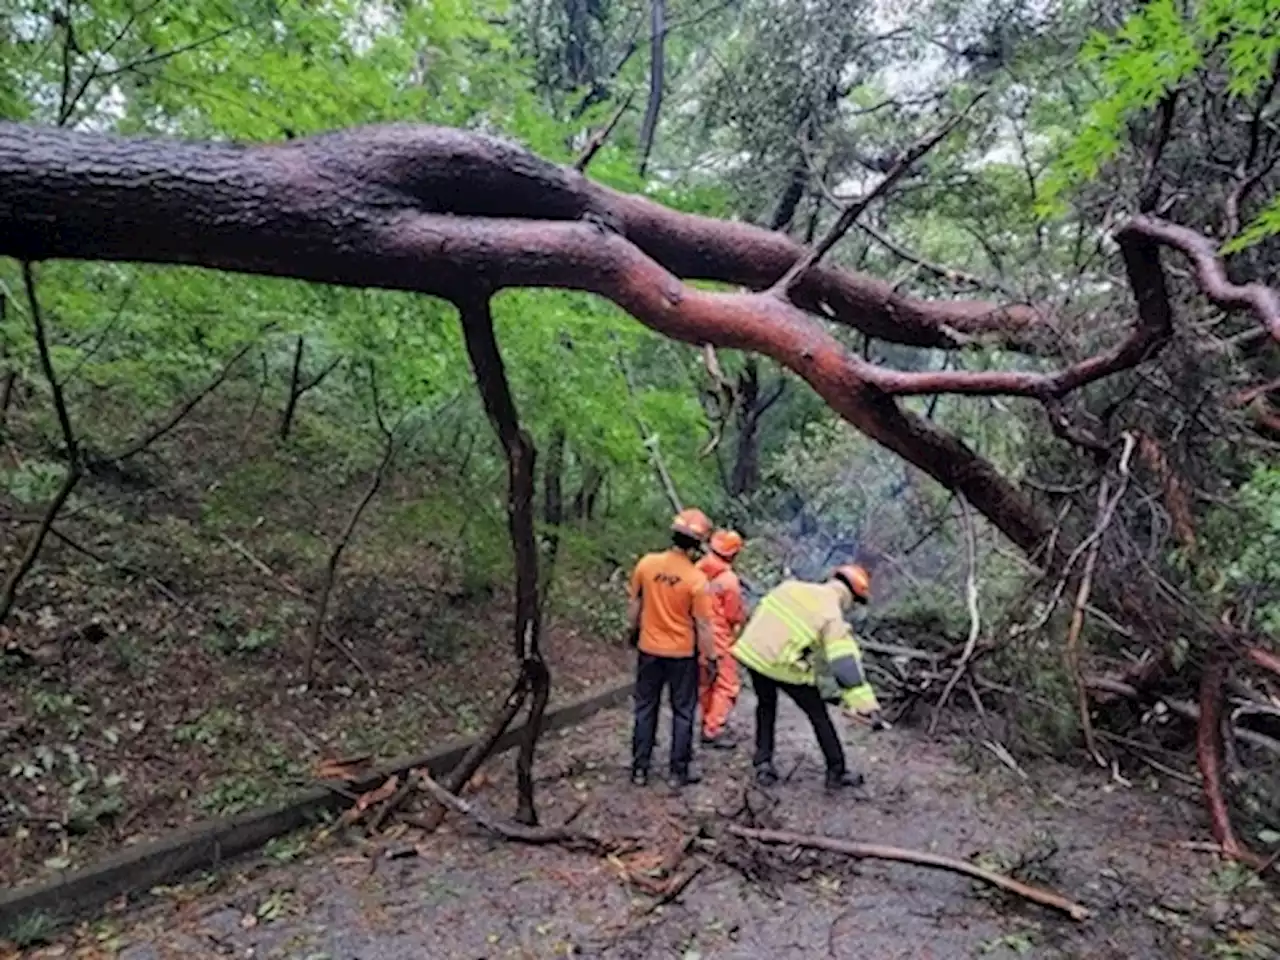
<point>716,698</point>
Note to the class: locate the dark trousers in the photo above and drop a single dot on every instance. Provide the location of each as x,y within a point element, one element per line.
<point>807,699</point>
<point>680,676</point>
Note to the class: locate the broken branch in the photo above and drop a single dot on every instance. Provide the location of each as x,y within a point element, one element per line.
<point>869,851</point>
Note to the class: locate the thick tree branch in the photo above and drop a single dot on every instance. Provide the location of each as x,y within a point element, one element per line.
<point>74,195</point>
<point>1262,301</point>
<point>431,210</point>
<point>1209,756</point>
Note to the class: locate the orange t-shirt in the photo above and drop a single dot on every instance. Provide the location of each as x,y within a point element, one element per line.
<point>672,594</point>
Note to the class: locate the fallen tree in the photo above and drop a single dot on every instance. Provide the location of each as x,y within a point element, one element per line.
<point>463,216</point>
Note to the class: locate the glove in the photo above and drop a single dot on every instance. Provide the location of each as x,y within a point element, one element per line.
<point>872,719</point>
<point>633,637</point>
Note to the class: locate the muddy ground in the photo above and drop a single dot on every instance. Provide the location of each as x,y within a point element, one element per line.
<point>1121,850</point>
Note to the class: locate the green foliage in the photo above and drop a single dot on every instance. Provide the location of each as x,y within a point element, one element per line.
<point>1242,549</point>
<point>31,930</point>
<point>1159,47</point>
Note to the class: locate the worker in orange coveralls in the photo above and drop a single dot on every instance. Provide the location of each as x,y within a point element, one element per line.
<point>718,691</point>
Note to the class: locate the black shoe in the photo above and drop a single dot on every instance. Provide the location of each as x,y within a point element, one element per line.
<point>721,742</point>
<point>766,775</point>
<point>639,777</point>
<point>840,779</point>
<point>685,776</point>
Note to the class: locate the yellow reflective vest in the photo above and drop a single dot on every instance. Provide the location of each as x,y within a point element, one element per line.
<point>795,627</point>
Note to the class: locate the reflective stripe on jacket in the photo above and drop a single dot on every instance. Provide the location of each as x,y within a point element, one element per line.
<point>795,627</point>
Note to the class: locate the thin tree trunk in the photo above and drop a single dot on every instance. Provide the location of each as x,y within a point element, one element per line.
<point>331,568</point>
<point>10,374</point>
<point>657,75</point>
<point>298,387</point>
<point>495,391</point>
<point>295,377</point>
<point>650,442</point>
<point>552,508</point>
<point>9,593</point>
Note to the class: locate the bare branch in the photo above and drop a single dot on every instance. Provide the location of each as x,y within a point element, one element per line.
<point>184,408</point>
<point>75,467</point>
<point>854,210</point>
<point>601,136</point>
<point>876,852</point>
<point>947,274</point>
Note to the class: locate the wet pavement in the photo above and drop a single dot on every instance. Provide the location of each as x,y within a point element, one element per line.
<point>461,894</point>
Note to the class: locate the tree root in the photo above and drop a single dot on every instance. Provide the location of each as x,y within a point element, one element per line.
<point>851,848</point>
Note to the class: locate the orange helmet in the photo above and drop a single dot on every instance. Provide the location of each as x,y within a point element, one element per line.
<point>726,543</point>
<point>692,523</point>
<point>856,578</point>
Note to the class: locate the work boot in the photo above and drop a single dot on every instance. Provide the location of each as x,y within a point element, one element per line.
<point>721,741</point>
<point>839,779</point>
<point>766,775</point>
<point>639,777</point>
<point>685,776</point>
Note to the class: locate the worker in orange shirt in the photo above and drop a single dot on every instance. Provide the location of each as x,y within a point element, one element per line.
<point>670,616</point>
<point>718,691</point>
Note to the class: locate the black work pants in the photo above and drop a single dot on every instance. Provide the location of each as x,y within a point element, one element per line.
<point>680,676</point>
<point>807,699</point>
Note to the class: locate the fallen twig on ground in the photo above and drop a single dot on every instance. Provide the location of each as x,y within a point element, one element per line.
<point>876,852</point>
<point>518,832</point>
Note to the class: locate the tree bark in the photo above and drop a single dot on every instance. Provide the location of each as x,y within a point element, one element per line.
<point>499,404</point>
<point>68,194</point>
<point>657,77</point>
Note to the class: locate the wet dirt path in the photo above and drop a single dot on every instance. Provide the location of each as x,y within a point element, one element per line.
<point>464,895</point>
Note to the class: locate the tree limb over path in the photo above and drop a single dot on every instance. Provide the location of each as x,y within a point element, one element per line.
<point>367,181</point>
<point>450,213</point>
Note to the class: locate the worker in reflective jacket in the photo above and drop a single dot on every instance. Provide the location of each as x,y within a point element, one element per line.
<point>797,630</point>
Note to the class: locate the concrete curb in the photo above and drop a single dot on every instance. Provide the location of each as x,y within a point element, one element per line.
<point>206,845</point>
